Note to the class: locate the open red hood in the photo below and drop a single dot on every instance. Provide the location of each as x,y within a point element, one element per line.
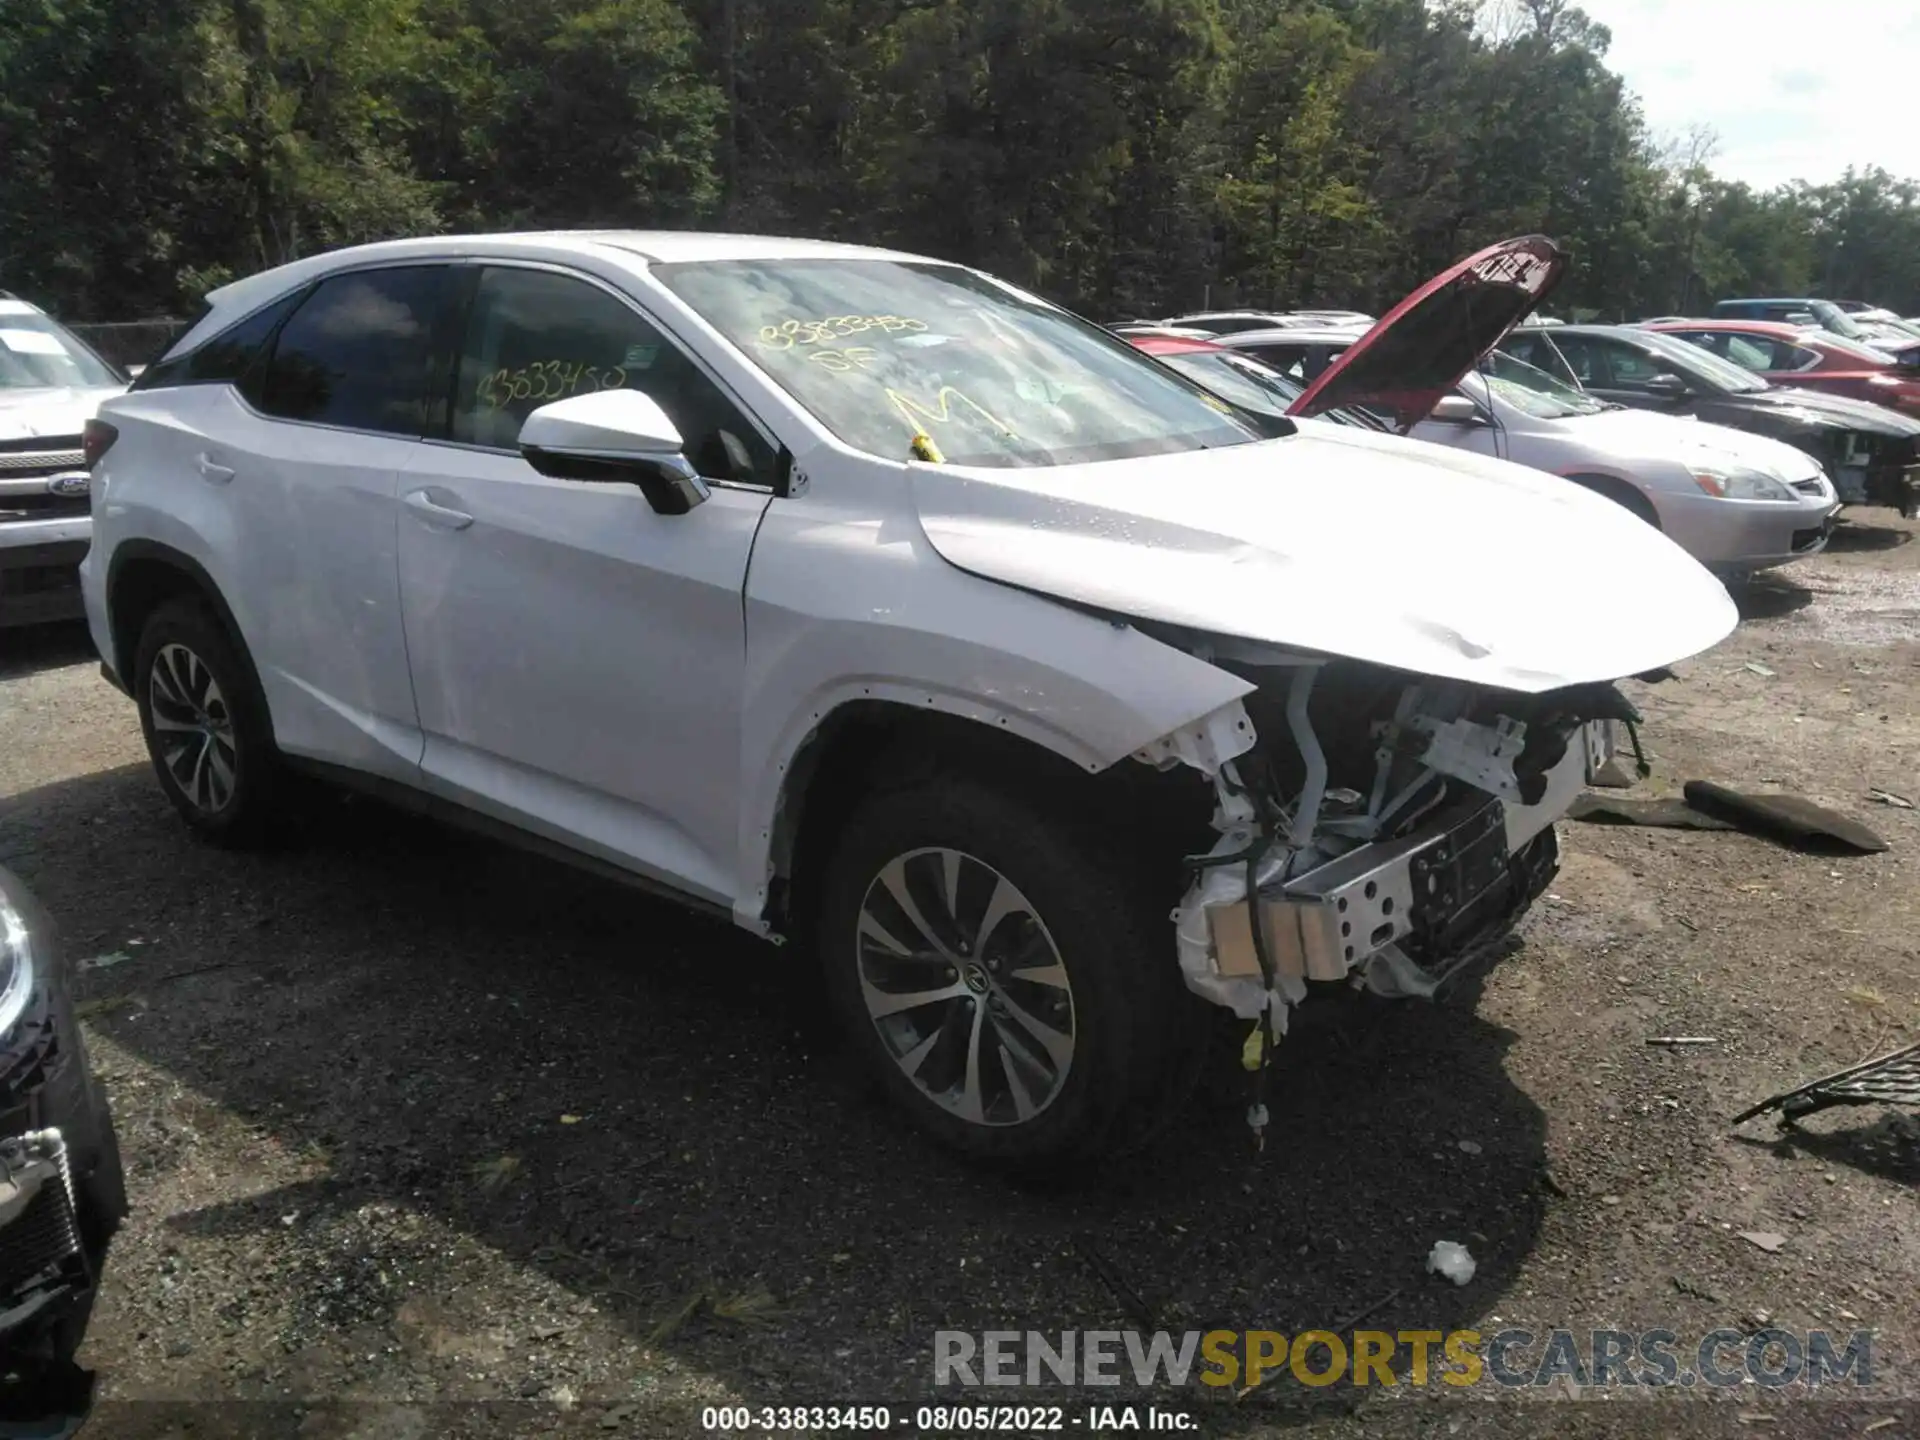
<point>1421,348</point>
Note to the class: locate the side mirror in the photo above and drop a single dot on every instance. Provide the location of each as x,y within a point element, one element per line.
<point>1669,387</point>
<point>614,437</point>
<point>1455,410</point>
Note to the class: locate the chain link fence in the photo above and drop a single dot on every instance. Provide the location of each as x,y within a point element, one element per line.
<point>131,342</point>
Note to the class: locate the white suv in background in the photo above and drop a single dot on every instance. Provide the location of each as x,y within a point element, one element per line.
<point>50,385</point>
<point>867,600</point>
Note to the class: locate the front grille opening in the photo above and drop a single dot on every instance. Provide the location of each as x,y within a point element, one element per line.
<point>44,507</point>
<point>33,444</point>
<point>38,580</point>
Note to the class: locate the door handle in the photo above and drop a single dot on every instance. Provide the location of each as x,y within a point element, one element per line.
<point>212,470</point>
<point>440,517</point>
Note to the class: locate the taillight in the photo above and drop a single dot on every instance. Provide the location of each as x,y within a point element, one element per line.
<point>96,438</point>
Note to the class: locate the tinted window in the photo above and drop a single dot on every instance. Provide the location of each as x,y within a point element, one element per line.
<point>227,357</point>
<point>1288,360</point>
<point>1583,358</point>
<point>355,352</point>
<point>1631,368</point>
<point>534,337</point>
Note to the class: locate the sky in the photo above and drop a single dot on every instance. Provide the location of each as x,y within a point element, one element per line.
<point>1794,89</point>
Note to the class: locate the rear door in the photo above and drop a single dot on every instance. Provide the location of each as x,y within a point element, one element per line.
<point>579,659</point>
<point>302,459</point>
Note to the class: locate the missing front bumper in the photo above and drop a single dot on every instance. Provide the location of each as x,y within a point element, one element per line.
<point>1435,892</point>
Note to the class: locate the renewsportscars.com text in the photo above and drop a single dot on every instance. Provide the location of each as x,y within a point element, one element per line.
<point>1514,1357</point>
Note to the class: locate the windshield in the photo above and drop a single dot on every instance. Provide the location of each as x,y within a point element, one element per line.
<point>1833,318</point>
<point>36,354</point>
<point>1243,381</point>
<point>914,359</point>
<point>1697,360</point>
<point>1533,391</point>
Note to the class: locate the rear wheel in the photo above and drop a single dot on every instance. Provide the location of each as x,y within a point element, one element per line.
<point>1003,977</point>
<point>205,725</point>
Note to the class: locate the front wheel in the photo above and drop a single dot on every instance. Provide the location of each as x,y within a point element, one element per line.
<point>1006,976</point>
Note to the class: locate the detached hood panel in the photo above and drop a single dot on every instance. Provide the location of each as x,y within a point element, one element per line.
<point>1345,543</point>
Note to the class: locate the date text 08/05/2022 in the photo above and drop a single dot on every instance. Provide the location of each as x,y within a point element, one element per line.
<point>945,1419</point>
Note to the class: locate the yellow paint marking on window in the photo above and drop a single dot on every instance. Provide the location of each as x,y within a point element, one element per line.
<point>920,416</point>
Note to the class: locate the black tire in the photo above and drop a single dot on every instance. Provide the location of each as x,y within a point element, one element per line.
<point>1136,1028</point>
<point>244,815</point>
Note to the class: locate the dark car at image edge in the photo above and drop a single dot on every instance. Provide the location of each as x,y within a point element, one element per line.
<point>62,1190</point>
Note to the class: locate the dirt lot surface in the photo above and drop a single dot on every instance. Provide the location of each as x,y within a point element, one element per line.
<point>429,1138</point>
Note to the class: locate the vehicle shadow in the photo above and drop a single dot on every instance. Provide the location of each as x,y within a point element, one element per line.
<point>1769,596</point>
<point>1854,536</point>
<point>33,648</point>
<point>647,1107</point>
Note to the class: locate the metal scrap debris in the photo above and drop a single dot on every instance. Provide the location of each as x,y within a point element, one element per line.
<point>1767,1240</point>
<point>1890,1079</point>
<point>1887,797</point>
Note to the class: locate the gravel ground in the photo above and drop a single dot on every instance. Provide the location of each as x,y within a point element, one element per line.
<point>426,1137</point>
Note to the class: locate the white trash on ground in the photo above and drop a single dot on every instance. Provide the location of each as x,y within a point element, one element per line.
<point>1451,1260</point>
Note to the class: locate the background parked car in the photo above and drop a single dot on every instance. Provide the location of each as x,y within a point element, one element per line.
<point>1227,322</point>
<point>1807,359</point>
<point>1738,503</point>
<point>1868,451</point>
<point>50,385</point>
<point>1803,311</point>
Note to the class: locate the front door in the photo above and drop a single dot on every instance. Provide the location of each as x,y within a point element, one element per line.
<point>578,659</point>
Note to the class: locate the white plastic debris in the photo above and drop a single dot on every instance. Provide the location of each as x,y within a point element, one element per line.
<point>1392,975</point>
<point>1451,1260</point>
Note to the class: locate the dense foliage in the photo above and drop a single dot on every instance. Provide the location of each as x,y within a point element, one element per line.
<point>1124,156</point>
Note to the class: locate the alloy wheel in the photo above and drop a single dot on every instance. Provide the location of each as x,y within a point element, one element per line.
<point>192,727</point>
<point>965,986</point>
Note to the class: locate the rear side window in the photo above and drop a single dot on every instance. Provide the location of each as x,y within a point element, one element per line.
<point>233,355</point>
<point>355,353</point>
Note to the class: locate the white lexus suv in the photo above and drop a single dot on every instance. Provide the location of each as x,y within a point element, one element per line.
<point>876,604</point>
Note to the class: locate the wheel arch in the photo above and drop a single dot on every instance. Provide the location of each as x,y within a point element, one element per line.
<point>146,574</point>
<point>1621,491</point>
<point>877,741</point>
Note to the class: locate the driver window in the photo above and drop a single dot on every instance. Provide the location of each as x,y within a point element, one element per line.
<point>1583,358</point>
<point>534,337</point>
<point>1632,369</point>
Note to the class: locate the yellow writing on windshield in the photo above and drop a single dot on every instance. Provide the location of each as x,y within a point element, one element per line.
<point>854,357</point>
<point>918,416</point>
<point>789,333</point>
<point>545,380</point>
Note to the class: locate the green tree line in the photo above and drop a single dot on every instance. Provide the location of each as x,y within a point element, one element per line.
<point>1122,156</point>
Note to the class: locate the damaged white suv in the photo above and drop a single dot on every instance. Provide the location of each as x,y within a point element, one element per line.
<point>868,600</point>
